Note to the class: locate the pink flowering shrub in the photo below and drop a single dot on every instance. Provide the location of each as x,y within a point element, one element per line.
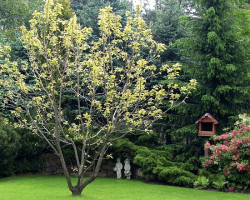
<point>231,155</point>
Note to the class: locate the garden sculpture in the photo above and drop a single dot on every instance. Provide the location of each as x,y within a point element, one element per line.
<point>127,168</point>
<point>118,168</point>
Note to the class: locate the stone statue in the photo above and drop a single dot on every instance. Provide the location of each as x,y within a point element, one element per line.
<point>118,168</point>
<point>127,168</point>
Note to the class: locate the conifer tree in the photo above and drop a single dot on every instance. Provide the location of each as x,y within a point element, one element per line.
<point>217,57</point>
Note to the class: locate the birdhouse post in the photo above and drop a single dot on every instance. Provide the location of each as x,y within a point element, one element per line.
<point>207,127</point>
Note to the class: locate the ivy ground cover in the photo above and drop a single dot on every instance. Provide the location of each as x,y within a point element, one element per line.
<point>54,187</point>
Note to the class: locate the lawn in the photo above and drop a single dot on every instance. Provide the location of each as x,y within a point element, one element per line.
<point>54,187</point>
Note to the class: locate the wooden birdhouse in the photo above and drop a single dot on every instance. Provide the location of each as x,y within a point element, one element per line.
<point>207,125</point>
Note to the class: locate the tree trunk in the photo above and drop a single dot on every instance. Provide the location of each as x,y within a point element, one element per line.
<point>76,190</point>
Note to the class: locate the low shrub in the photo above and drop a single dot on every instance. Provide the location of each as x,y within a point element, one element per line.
<point>148,140</point>
<point>29,157</point>
<point>20,151</point>
<point>9,145</point>
<point>184,181</point>
<point>160,162</point>
<point>124,148</point>
<point>220,183</point>
<point>201,183</point>
<point>175,176</point>
<point>204,172</point>
<point>29,165</point>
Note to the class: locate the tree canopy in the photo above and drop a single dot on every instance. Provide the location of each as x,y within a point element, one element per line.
<point>107,79</point>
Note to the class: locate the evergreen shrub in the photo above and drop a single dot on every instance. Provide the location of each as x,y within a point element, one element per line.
<point>220,183</point>
<point>201,183</point>
<point>9,145</point>
<point>172,175</point>
<point>159,162</point>
<point>29,157</point>
<point>184,181</point>
<point>124,148</point>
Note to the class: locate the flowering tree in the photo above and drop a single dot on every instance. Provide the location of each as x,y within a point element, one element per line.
<point>231,154</point>
<point>107,79</point>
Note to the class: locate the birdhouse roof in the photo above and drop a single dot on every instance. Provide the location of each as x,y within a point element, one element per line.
<point>207,115</point>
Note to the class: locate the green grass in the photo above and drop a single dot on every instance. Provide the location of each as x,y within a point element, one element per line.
<point>54,187</point>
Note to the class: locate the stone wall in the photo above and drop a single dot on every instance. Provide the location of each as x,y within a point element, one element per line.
<point>52,166</point>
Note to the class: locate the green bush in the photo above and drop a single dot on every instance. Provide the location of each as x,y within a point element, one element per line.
<point>146,160</point>
<point>204,172</point>
<point>148,140</point>
<point>184,181</point>
<point>29,154</point>
<point>124,148</point>
<point>29,165</point>
<point>201,183</point>
<point>9,145</point>
<point>160,162</point>
<point>20,151</point>
<point>220,183</point>
<point>173,175</point>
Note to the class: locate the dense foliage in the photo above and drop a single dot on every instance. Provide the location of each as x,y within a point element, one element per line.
<point>163,163</point>
<point>87,11</point>
<point>107,78</point>
<point>216,56</point>
<point>210,38</point>
<point>9,145</point>
<point>230,154</point>
<point>21,151</point>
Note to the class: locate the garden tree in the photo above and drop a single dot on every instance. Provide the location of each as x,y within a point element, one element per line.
<point>87,11</point>
<point>166,27</point>
<point>107,79</point>
<point>164,22</point>
<point>13,14</point>
<point>215,54</point>
<point>11,34</point>
<point>67,12</point>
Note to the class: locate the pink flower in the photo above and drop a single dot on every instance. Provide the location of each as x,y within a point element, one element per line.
<point>226,173</point>
<point>240,167</point>
<point>231,148</point>
<point>246,128</point>
<point>216,138</point>
<point>207,163</point>
<point>224,136</point>
<point>223,147</point>
<point>234,133</point>
<point>231,189</point>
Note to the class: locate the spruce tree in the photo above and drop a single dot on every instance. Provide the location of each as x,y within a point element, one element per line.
<point>215,54</point>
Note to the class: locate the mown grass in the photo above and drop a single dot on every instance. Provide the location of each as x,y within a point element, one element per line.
<point>54,187</point>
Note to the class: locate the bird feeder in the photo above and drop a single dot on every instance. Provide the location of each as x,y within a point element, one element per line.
<point>207,125</point>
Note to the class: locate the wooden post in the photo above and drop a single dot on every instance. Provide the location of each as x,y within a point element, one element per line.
<point>206,150</point>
